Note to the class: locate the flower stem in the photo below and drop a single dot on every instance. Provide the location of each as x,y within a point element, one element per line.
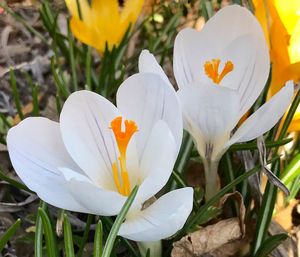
<point>212,185</point>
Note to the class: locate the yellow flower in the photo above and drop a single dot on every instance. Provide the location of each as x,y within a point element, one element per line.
<point>280,20</point>
<point>102,21</point>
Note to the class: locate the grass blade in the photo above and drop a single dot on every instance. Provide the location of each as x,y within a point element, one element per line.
<point>193,221</point>
<point>13,182</point>
<point>68,238</point>
<point>265,213</point>
<point>38,237</point>
<point>15,92</point>
<point>117,224</point>
<point>9,233</point>
<point>85,235</point>
<point>291,171</point>
<point>51,243</point>
<point>270,244</point>
<point>98,241</point>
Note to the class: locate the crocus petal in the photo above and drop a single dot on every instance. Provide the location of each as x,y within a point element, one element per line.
<point>192,49</point>
<point>131,10</point>
<point>83,7</point>
<point>156,165</point>
<point>96,200</point>
<point>265,117</point>
<point>148,63</point>
<point>251,69</point>
<point>85,127</point>
<point>37,151</point>
<point>210,113</point>
<point>146,98</point>
<point>161,219</point>
<point>86,34</point>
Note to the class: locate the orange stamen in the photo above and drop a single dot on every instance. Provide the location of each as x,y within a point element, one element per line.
<point>122,139</point>
<point>211,69</point>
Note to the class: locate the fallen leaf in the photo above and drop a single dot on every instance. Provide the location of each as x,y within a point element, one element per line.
<point>210,238</point>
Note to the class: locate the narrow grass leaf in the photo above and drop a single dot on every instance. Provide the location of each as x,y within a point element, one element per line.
<point>117,224</point>
<point>85,235</point>
<point>51,244</point>
<point>38,237</point>
<point>9,233</point>
<point>193,220</point>
<point>98,241</point>
<point>13,83</point>
<point>291,171</point>
<point>68,238</point>
<point>270,244</point>
<point>265,213</point>
<point>13,182</point>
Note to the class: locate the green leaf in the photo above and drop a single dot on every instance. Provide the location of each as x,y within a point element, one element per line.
<point>265,213</point>
<point>72,61</point>
<point>98,241</point>
<point>193,220</point>
<point>289,117</point>
<point>210,213</point>
<point>88,73</point>
<point>117,224</point>
<point>85,235</point>
<point>38,237</point>
<point>184,153</point>
<point>270,244</point>
<point>34,93</point>
<point>68,238</point>
<point>9,233</point>
<point>291,171</point>
<point>13,83</point>
<point>13,182</point>
<point>49,233</point>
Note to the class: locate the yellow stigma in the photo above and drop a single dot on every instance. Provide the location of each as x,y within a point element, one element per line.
<point>121,178</point>
<point>211,69</point>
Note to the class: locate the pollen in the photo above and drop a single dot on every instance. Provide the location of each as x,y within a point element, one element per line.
<point>120,173</point>
<point>211,69</point>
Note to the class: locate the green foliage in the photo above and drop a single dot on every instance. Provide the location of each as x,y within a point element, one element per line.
<point>9,233</point>
<point>75,66</point>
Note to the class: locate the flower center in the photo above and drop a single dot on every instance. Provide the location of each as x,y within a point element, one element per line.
<point>121,178</point>
<point>211,69</point>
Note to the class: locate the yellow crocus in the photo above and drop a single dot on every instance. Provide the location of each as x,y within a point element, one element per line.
<point>102,22</point>
<point>280,20</point>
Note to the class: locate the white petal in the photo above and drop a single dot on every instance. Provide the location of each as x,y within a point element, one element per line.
<point>146,98</point>
<point>157,162</point>
<point>210,113</point>
<point>148,63</point>
<point>97,200</point>
<point>219,39</point>
<point>85,126</point>
<point>251,69</point>
<point>265,117</point>
<point>36,151</point>
<point>161,219</point>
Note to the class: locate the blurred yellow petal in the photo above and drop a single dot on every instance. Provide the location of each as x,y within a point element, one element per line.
<point>131,10</point>
<point>103,22</point>
<point>294,48</point>
<point>262,16</point>
<point>84,9</point>
<point>282,19</point>
<point>86,34</point>
<point>288,11</point>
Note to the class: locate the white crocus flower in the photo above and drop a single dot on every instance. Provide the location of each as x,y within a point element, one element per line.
<point>220,72</point>
<point>91,160</point>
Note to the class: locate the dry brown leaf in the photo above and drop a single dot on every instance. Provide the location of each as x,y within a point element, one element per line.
<point>208,239</point>
<point>212,237</point>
